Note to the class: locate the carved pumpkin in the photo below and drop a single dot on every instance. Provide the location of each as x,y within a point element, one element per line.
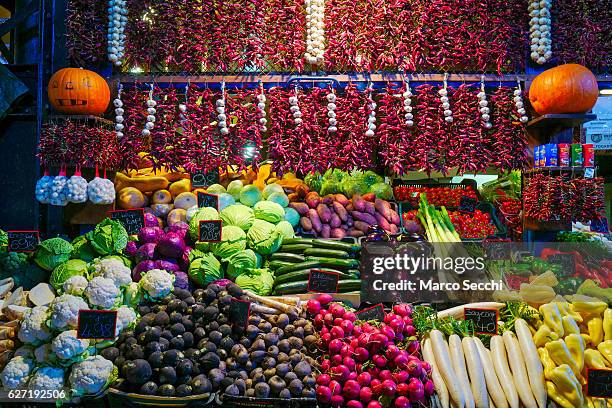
<point>77,91</point>
<point>569,88</point>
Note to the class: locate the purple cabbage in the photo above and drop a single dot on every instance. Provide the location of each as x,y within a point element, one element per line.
<point>181,280</point>
<point>145,252</point>
<point>151,220</point>
<point>131,248</point>
<point>222,282</point>
<point>150,234</point>
<point>142,267</point>
<point>179,228</point>
<point>184,261</point>
<point>170,265</point>
<point>171,245</point>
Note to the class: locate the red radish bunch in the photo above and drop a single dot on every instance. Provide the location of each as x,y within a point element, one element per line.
<point>364,363</point>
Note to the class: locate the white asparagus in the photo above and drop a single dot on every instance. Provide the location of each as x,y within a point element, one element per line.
<point>493,386</point>
<point>289,300</point>
<point>443,360</point>
<point>438,381</point>
<point>535,371</point>
<point>475,370</point>
<point>458,362</point>
<point>519,371</point>
<point>457,311</point>
<point>269,302</point>
<point>500,363</point>
<point>257,308</point>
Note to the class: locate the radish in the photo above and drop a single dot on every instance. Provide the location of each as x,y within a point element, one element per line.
<point>326,338</point>
<point>403,309</point>
<point>338,321</point>
<point>313,306</point>
<point>401,377</point>
<point>414,347</point>
<point>350,316</point>
<point>354,404</point>
<point>365,394</point>
<point>340,373</point>
<point>401,402</point>
<point>401,361</point>
<point>346,351</point>
<point>337,332</point>
<point>374,404</point>
<point>364,379</point>
<point>347,326</point>
<point>325,365</point>
<point>416,391</point>
<point>324,394</point>
<point>379,361</point>
<point>357,330</point>
<point>336,360</point>
<point>388,332</point>
<point>334,346</point>
<point>409,330</point>
<point>318,321</point>
<point>328,318</point>
<point>385,375</point>
<point>376,386</point>
<point>352,376</point>
<point>388,388</point>
<point>323,330</point>
<point>429,388</point>
<point>397,325</point>
<point>324,298</point>
<point>402,389</point>
<point>414,368</point>
<point>351,389</point>
<point>426,366</point>
<point>335,387</point>
<point>336,309</point>
<point>361,354</point>
<point>337,401</point>
<point>392,351</point>
<point>323,379</point>
<point>349,362</point>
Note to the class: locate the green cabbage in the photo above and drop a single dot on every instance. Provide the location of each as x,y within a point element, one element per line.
<point>234,188</point>
<point>285,229</point>
<point>263,237</point>
<point>215,189</point>
<point>271,189</point>
<point>238,215</point>
<point>241,261</point>
<point>269,211</point>
<point>202,214</point>
<point>54,252</point>
<point>233,239</point>
<point>225,200</point>
<point>205,270</point>
<point>83,249</point>
<point>108,237</point>
<point>61,273</point>
<point>3,241</point>
<point>250,195</point>
<point>259,281</point>
<point>292,216</point>
<point>313,181</point>
<point>382,190</point>
<point>279,198</point>
<point>369,178</point>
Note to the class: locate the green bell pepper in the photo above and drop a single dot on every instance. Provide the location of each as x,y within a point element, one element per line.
<point>569,286</point>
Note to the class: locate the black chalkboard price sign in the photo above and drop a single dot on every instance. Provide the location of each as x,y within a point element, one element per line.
<point>239,312</point>
<point>96,324</point>
<point>23,241</point>
<point>133,219</point>
<point>376,312</point>
<point>467,204</point>
<point>210,231</point>
<point>567,262</point>
<point>498,250</point>
<point>200,179</point>
<point>208,200</point>
<point>599,383</point>
<point>322,281</point>
<point>485,320</point>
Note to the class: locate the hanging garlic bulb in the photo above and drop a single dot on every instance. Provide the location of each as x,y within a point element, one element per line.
<point>315,33</point>
<point>101,191</point>
<point>76,188</point>
<point>331,112</point>
<point>408,105</point>
<point>150,123</point>
<point>117,20</point>
<point>261,110</point>
<point>221,116</point>
<point>518,102</point>
<point>483,104</point>
<point>295,109</point>
<point>448,113</point>
<point>57,192</point>
<point>43,188</point>
<point>371,126</point>
<point>540,30</point>
<point>119,111</point>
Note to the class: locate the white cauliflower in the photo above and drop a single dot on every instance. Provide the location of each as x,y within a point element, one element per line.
<point>126,316</point>
<point>65,311</point>
<point>115,269</point>
<point>91,375</point>
<point>102,292</point>
<point>42,353</point>
<point>75,285</point>
<point>157,283</point>
<point>17,372</point>
<point>34,329</point>
<point>66,345</point>
<point>47,378</point>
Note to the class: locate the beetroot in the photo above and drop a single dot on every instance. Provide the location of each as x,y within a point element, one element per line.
<point>351,389</point>
<point>324,394</point>
<point>416,391</point>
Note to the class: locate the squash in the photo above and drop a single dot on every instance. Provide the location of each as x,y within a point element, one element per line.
<point>161,197</point>
<point>569,88</point>
<point>130,197</point>
<point>262,175</point>
<point>143,184</point>
<point>178,187</point>
<point>185,200</point>
<point>177,215</point>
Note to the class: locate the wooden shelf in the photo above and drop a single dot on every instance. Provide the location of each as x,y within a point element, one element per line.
<point>556,168</point>
<point>549,226</point>
<point>563,120</point>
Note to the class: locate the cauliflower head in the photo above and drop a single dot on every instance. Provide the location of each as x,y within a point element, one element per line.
<point>17,372</point>
<point>47,378</point>
<point>25,351</point>
<point>91,375</point>
<point>66,345</point>
<point>157,283</point>
<point>34,329</point>
<point>102,292</point>
<point>75,285</point>
<point>115,269</point>
<point>126,317</point>
<point>64,311</point>
<point>43,354</point>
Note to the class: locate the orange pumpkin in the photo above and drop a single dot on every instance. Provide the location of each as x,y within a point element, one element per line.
<point>77,91</point>
<point>569,88</point>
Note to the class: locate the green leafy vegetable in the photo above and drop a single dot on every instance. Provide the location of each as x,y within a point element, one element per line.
<point>53,252</point>
<point>61,273</point>
<point>205,270</point>
<point>241,261</point>
<point>233,240</point>
<point>202,214</point>
<point>263,237</point>
<point>108,237</point>
<point>259,281</point>
<point>269,211</point>
<point>238,215</point>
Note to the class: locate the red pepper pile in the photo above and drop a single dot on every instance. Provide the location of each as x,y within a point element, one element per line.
<point>468,225</point>
<point>438,196</point>
<point>552,198</point>
<point>601,274</point>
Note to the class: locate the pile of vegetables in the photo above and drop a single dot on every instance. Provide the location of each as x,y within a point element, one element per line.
<point>438,196</point>
<point>20,267</point>
<point>294,260</point>
<point>11,304</point>
<point>336,216</point>
<point>368,364</point>
<point>468,225</point>
<point>335,181</point>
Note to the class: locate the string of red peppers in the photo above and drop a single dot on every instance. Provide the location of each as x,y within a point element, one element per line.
<point>86,28</point>
<point>551,198</point>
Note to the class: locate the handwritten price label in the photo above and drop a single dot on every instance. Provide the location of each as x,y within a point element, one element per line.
<point>133,220</point>
<point>322,281</point>
<point>200,179</point>
<point>210,231</point>
<point>485,320</point>
<point>23,241</point>
<point>96,324</point>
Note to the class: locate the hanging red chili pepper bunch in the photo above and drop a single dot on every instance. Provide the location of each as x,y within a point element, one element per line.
<point>86,28</point>
<point>243,143</point>
<point>284,41</point>
<point>586,198</point>
<point>581,33</point>
<point>135,115</point>
<point>508,135</point>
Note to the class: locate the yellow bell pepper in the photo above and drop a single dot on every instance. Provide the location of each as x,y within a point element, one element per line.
<point>594,359</point>
<point>607,324</point>
<point>595,327</point>
<point>586,338</point>
<point>605,348</point>
<point>555,395</point>
<point>561,355</point>
<point>552,317</point>
<point>547,362</point>
<point>570,326</point>
<point>543,335</point>
<point>575,345</point>
<point>568,386</point>
<point>567,309</point>
<point>588,305</point>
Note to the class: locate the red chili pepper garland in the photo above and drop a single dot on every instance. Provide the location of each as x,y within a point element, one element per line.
<point>86,28</point>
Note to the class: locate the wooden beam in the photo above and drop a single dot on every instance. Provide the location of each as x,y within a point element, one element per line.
<point>18,17</point>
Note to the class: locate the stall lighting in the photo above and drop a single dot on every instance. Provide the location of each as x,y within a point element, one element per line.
<point>607,91</point>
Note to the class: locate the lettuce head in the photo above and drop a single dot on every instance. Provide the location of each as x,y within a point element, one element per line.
<point>233,240</point>
<point>68,269</point>
<point>263,237</point>
<point>285,229</point>
<point>269,211</point>
<point>53,252</point>
<point>250,195</point>
<point>108,237</point>
<point>205,270</point>
<point>238,215</point>
<point>242,261</point>
<point>83,249</point>
<point>259,281</point>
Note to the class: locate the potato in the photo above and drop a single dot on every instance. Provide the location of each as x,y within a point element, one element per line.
<point>161,197</point>
<point>185,200</point>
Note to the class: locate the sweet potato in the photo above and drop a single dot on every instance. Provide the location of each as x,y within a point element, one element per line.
<point>341,198</point>
<point>356,233</point>
<point>326,231</point>
<point>362,226</point>
<point>306,223</point>
<point>359,203</point>
<point>316,221</point>
<point>395,218</point>
<point>369,197</point>
<point>369,208</point>
<point>340,210</point>
<point>350,207</point>
<point>338,233</point>
<point>328,199</point>
<point>335,221</point>
<point>293,197</point>
<point>394,229</point>
<point>349,221</point>
<point>301,208</point>
<point>382,221</point>
<point>365,217</point>
<point>383,207</point>
<point>324,213</point>
<point>313,199</point>
<point>301,190</point>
